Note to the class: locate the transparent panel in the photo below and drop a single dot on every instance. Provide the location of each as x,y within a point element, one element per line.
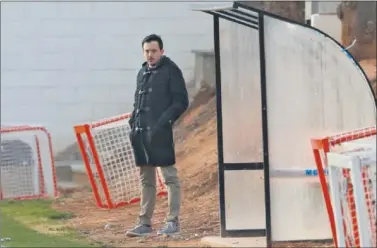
<point>313,89</point>
<point>244,209</point>
<point>240,92</point>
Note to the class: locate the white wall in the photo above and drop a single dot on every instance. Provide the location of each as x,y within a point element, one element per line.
<point>328,23</point>
<point>320,7</point>
<point>323,16</point>
<point>66,63</point>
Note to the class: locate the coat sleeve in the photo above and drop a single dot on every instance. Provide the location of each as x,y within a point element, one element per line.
<point>179,97</point>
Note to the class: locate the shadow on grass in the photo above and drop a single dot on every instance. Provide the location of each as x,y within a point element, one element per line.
<point>33,208</point>
<point>33,223</point>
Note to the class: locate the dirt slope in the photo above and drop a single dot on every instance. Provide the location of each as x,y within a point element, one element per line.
<point>196,161</point>
<point>370,69</point>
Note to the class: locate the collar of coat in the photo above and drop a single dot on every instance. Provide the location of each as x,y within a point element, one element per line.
<point>163,61</point>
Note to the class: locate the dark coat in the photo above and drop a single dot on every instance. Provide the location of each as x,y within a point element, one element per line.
<point>160,99</point>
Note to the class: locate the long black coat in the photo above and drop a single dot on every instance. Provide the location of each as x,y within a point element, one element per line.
<point>160,99</point>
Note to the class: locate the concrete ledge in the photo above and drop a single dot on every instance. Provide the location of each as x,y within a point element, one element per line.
<point>68,187</point>
<point>64,173</point>
<point>214,241</point>
<point>204,52</point>
<point>71,174</point>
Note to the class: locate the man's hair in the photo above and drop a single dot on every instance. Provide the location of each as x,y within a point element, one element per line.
<point>153,37</point>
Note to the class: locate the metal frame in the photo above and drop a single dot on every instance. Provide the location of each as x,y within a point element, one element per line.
<point>88,149</point>
<point>255,22</point>
<point>252,18</point>
<point>352,161</point>
<point>39,129</point>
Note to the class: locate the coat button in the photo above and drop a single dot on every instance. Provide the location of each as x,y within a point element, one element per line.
<point>150,90</point>
<point>148,128</point>
<point>146,109</point>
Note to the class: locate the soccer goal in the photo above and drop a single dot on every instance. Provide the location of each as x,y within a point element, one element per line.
<point>346,163</point>
<point>352,180</point>
<point>27,167</point>
<point>110,164</point>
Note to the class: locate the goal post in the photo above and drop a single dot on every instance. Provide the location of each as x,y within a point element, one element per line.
<point>356,140</point>
<point>352,181</point>
<point>27,168</point>
<point>109,162</point>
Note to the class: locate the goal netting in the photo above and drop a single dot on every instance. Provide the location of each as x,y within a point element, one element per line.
<point>110,164</point>
<point>349,144</point>
<point>27,167</point>
<point>352,180</point>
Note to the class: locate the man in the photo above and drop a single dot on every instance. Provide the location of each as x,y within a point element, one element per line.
<point>160,99</point>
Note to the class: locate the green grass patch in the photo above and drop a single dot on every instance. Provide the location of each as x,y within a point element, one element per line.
<point>33,223</point>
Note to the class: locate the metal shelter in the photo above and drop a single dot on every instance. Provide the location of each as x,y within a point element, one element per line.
<point>278,83</point>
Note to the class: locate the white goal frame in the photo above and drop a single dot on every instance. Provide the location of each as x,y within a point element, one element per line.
<point>42,178</point>
<point>354,161</point>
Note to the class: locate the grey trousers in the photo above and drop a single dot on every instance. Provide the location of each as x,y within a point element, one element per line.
<point>148,192</point>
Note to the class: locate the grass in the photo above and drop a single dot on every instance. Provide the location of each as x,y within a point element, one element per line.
<point>33,223</point>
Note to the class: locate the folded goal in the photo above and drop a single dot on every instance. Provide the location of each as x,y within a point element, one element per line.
<point>346,163</point>
<point>110,164</point>
<point>352,181</point>
<point>27,169</point>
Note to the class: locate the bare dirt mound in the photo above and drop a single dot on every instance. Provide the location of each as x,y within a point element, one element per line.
<point>195,138</point>
<point>370,68</point>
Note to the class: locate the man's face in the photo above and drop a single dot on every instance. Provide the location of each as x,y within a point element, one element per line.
<point>152,52</point>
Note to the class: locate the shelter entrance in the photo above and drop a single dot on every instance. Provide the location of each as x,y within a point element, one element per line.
<point>279,84</point>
